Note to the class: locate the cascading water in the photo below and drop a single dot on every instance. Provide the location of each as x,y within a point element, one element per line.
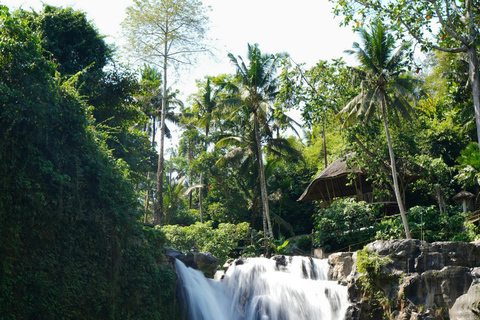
<point>263,289</point>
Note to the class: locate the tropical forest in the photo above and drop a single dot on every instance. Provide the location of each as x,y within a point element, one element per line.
<point>91,196</point>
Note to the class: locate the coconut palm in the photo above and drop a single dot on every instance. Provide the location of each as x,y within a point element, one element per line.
<point>209,105</point>
<point>257,88</point>
<point>381,86</point>
<point>241,153</point>
<point>208,109</point>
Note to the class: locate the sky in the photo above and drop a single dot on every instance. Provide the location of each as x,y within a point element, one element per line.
<point>306,29</point>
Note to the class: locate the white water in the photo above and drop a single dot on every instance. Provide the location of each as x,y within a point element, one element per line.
<point>258,290</point>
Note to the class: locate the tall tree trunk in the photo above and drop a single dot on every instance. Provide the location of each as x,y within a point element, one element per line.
<point>324,146</point>
<point>200,198</point>
<point>475,83</point>
<point>398,195</point>
<point>189,160</point>
<point>200,195</point>
<point>160,171</point>
<point>267,226</point>
<point>147,195</point>
<point>440,199</point>
<point>147,198</point>
<point>190,198</point>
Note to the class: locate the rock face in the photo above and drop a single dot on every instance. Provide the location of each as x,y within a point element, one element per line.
<point>417,256</point>
<point>423,281</point>
<point>436,289</point>
<point>467,307</point>
<point>342,265</point>
<point>203,261</point>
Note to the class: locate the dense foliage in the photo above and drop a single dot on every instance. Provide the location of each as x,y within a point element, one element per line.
<point>345,225</point>
<point>349,225</point>
<point>221,241</point>
<point>429,224</point>
<point>70,247</point>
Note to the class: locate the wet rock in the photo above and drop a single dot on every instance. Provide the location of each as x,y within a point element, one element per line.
<point>203,261</point>
<point>467,307</point>
<point>342,265</point>
<point>435,288</point>
<point>352,312</point>
<point>280,261</point>
<point>173,254</point>
<point>206,262</point>
<point>433,280</point>
<point>353,291</point>
<point>227,264</point>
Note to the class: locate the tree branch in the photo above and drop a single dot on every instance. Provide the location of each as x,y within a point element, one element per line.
<point>450,31</point>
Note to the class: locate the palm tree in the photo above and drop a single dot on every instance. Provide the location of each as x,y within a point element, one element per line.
<point>207,104</point>
<point>381,86</point>
<point>241,153</point>
<point>150,94</point>
<point>257,91</point>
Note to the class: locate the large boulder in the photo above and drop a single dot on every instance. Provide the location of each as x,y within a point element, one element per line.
<point>206,262</point>
<point>203,261</point>
<point>436,288</point>
<point>402,252</point>
<point>341,265</point>
<point>423,281</point>
<point>413,255</point>
<point>437,255</point>
<point>467,307</point>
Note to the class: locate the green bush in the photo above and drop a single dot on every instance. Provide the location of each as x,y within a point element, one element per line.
<point>450,226</point>
<point>221,241</point>
<point>349,224</point>
<point>372,268</point>
<point>373,276</point>
<point>344,223</point>
<point>185,217</point>
<point>146,286</point>
<point>304,243</point>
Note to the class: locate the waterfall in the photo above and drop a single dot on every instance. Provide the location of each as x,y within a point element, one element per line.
<point>264,289</point>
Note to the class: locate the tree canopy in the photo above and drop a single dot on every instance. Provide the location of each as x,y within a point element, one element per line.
<point>165,33</point>
<point>447,26</point>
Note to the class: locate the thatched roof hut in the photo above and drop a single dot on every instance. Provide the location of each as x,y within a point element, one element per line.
<point>334,182</point>
<point>463,196</point>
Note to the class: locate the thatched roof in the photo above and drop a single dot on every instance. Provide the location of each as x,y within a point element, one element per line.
<point>333,182</point>
<point>463,195</point>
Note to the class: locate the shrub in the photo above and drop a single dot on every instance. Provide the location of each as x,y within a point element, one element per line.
<point>344,223</point>
<point>221,241</point>
<point>304,243</point>
<point>451,226</point>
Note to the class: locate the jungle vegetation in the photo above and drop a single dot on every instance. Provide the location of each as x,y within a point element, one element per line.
<point>87,202</point>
